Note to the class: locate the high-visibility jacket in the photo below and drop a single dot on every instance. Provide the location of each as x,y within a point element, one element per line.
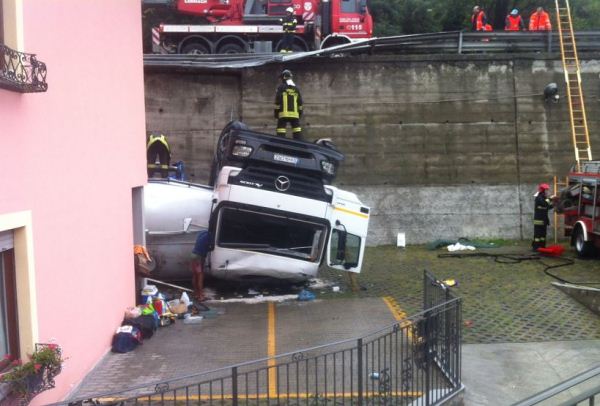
<point>289,23</point>
<point>288,102</point>
<point>514,23</point>
<point>540,22</point>
<point>478,21</point>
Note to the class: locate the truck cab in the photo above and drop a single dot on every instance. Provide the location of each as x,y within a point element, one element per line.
<point>579,203</point>
<point>270,209</point>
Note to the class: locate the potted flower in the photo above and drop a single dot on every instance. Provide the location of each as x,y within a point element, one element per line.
<point>37,375</point>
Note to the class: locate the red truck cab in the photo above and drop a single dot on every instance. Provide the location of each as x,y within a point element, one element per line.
<point>579,203</point>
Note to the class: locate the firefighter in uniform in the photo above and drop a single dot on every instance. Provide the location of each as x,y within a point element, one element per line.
<point>540,217</point>
<point>288,106</point>
<point>289,23</point>
<point>158,155</point>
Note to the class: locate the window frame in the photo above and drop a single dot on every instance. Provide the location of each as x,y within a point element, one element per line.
<point>9,309</point>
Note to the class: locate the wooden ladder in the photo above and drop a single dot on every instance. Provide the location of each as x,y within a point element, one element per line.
<point>579,128</point>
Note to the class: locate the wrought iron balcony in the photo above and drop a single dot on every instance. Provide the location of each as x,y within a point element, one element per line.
<point>21,72</point>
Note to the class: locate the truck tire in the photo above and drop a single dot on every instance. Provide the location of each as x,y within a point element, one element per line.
<point>231,49</point>
<point>195,48</point>
<point>582,247</point>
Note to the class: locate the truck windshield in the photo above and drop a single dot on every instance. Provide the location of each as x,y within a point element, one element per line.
<point>270,233</point>
<point>350,6</point>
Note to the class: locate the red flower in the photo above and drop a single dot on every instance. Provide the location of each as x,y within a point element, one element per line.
<point>16,362</point>
<point>37,367</point>
<point>53,346</point>
<point>8,357</point>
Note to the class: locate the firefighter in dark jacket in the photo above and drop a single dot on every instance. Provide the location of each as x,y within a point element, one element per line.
<point>540,217</point>
<point>288,23</point>
<point>288,106</point>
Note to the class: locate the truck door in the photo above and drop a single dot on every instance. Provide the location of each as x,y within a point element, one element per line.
<point>349,225</point>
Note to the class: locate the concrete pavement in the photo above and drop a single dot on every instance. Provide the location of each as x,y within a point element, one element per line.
<point>501,374</point>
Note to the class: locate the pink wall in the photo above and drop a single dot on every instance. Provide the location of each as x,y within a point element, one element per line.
<point>71,156</point>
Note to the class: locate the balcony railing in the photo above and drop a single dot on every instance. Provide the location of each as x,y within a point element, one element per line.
<point>21,72</point>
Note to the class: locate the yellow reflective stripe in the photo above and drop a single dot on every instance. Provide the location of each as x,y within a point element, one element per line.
<point>297,129</point>
<point>160,138</point>
<point>355,213</point>
<point>538,222</point>
<point>281,131</point>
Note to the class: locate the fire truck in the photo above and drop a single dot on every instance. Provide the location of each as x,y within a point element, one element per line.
<point>240,26</point>
<point>579,203</point>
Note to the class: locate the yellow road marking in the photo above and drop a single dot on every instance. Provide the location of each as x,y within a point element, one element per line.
<point>272,351</point>
<point>328,395</point>
<point>398,313</point>
<point>365,216</point>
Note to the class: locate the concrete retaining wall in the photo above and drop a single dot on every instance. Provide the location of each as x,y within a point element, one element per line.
<point>440,146</point>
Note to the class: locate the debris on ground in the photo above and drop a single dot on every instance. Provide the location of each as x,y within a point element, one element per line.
<point>460,247</point>
<point>306,296</point>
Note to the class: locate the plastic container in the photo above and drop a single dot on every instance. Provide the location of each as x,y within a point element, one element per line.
<point>149,291</point>
<point>189,319</point>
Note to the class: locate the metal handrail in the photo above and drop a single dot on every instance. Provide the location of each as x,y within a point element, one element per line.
<point>561,387</point>
<point>21,72</point>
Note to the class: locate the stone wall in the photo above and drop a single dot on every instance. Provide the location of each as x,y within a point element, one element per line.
<point>440,146</point>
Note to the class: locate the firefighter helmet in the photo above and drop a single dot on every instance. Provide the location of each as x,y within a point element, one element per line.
<point>542,187</point>
<point>289,10</point>
<point>286,74</point>
<point>514,12</point>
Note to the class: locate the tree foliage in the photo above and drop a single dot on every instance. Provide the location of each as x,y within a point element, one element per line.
<point>396,17</point>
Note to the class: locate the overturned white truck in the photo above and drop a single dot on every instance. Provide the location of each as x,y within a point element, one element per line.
<point>270,210</point>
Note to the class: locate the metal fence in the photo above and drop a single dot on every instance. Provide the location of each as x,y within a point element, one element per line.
<point>413,362</point>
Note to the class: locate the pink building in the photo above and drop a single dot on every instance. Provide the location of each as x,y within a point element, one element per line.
<point>72,163</point>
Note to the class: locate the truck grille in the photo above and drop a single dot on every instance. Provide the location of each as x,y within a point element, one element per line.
<point>266,179</point>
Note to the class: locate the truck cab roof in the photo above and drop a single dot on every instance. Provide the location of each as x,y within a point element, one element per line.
<point>240,146</point>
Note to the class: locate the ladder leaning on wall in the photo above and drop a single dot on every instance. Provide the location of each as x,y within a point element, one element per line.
<point>579,128</point>
<point>568,47</point>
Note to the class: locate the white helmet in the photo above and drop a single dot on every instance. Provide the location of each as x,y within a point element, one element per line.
<point>289,10</point>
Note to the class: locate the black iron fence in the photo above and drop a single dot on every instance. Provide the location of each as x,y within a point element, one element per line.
<point>21,72</point>
<point>415,361</point>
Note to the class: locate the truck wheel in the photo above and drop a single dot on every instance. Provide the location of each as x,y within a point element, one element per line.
<point>231,49</point>
<point>582,247</point>
<point>195,48</point>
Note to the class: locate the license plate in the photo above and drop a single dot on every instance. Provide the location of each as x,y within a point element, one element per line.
<point>285,158</point>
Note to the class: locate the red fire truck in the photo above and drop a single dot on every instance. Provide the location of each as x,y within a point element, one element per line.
<point>237,26</point>
<point>579,203</point>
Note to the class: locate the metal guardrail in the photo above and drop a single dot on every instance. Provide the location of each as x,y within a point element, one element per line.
<point>455,42</point>
<point>413,362</point>
<point>551,393</point>
<point>21,72</point>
